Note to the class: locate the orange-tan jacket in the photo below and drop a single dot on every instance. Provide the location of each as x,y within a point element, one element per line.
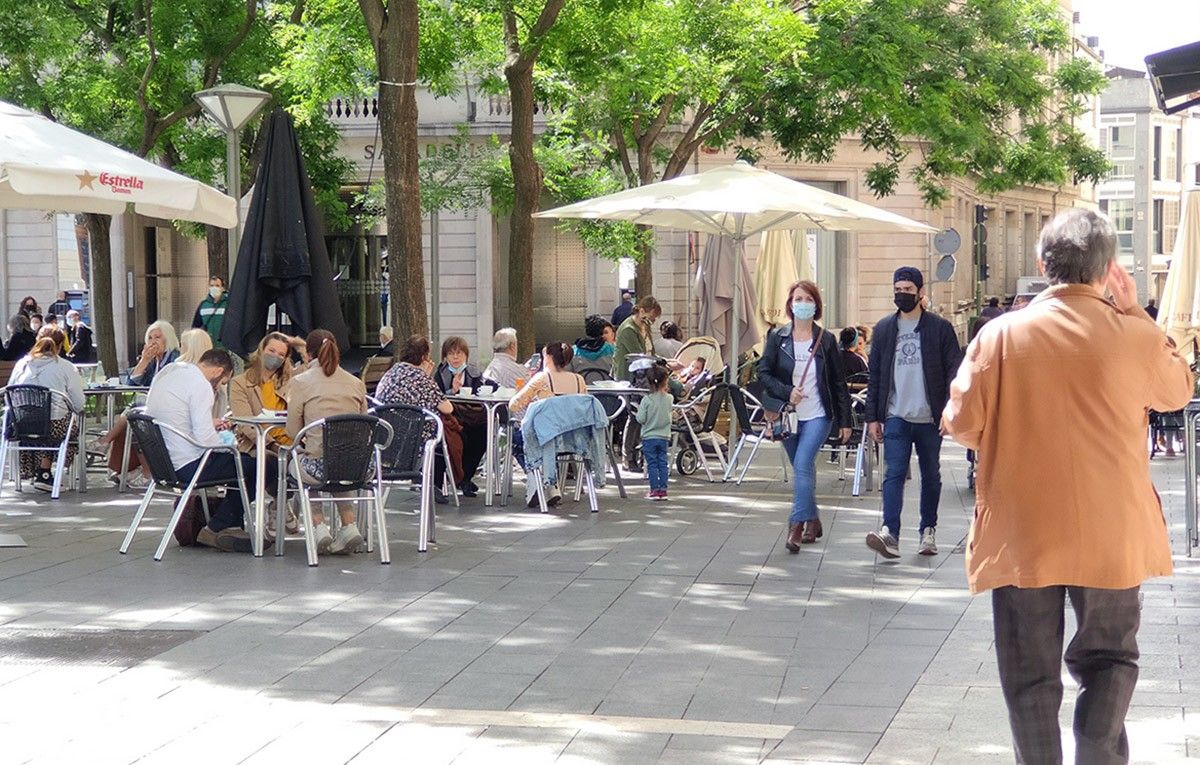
<point>1055,399</point>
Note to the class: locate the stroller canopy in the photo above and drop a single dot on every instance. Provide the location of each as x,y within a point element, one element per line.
<point>706,348</point>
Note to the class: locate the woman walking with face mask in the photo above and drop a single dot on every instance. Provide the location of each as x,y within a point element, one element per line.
<point>801,372</point>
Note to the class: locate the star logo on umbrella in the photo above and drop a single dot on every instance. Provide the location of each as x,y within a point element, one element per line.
<point>86,180</point>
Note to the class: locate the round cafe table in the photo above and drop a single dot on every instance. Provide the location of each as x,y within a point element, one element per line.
<point>262,424</point>
<point>492,404</point>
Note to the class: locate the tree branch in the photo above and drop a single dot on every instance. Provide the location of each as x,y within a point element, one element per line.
<point>297,12</point>
<point>149,71</point>
<point>213,68</point>
<point>622,148</point>
<point>375,17</point>
<point>660,120</point>
<point>104,32</point>
<point>535,39</point>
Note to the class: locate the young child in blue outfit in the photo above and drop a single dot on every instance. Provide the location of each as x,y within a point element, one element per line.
<point>654,415</point>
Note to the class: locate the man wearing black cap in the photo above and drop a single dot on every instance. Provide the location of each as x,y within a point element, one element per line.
<point>914,357</point>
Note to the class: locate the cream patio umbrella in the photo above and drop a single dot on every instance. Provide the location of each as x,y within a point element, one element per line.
<point>782,260</point>
<point>48,166</point>
<point>1179,312</point>
<point>738,201</point>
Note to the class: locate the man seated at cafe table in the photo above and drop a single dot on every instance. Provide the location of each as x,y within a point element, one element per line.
<point>182,396</point>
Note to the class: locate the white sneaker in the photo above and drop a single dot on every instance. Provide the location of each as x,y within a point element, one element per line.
<point>135,479</point>
<point>324,538</point>
<point>96,446</point>
<point>347,541</point>
<point>928,542</point>
<point>884,543</point>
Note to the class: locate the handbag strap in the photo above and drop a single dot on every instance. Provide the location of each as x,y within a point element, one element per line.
<point>811,355</point>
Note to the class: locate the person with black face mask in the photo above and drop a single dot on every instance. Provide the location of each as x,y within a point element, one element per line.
<point>914,357</point>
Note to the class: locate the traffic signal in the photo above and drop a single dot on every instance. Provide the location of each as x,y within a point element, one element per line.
<point>979,237</point>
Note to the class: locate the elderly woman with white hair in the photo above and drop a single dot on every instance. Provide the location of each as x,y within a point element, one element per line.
<point>504,368</point>
<point>161,348</point>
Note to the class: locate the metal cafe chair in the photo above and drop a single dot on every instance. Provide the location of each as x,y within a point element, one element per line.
<point>164,481</point>
<point>410,457</point>
<point>351,444</point>
<point>26,427</point>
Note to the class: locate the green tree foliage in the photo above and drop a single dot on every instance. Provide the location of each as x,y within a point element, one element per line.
<point>968,87</point>
<point>125,71</point>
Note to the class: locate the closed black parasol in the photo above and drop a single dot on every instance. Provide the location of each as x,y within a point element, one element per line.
<point>282,258</point>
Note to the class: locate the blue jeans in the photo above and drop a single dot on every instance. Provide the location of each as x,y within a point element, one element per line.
<point>654,453</point>
<point>899,438</point>
<point>802,447</point>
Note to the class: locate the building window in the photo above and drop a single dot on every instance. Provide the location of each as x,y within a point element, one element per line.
<point>1173,158</point>
<point>1121,213</point>
<point>1170,224</point>
<point>1158,226</point>
<point>1158,152</point>
<point>1120,148</point>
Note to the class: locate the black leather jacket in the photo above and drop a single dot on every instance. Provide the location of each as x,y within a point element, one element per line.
<point>778,362</point>
<point>940,357</point>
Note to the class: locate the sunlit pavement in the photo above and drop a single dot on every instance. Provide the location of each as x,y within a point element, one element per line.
<point>678,632</point>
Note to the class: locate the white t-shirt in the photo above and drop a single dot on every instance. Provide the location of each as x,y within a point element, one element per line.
<point>810,407</point>
<point>181,397</point>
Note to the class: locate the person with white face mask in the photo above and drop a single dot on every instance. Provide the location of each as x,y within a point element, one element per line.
<point>79,335</point>
<point>210,314</point>
<point>802,377</point>
<point>456,375</point>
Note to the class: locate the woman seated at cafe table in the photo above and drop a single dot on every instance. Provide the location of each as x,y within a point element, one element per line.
<point>262,388</point>
<point>555,379</point>
<point>410,382</point>
<point>457,376</point>
<point>161,347</point>
<point>323,390</point>
<point>44,367</point>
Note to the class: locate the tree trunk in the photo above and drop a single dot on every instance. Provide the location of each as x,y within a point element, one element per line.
<point>396,58</point>
<point>217,240</point>
<point>643,279</point>
<point>527,182</point>
<point>101,290</point>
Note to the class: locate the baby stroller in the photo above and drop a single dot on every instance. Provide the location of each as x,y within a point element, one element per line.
<point>698,406</point>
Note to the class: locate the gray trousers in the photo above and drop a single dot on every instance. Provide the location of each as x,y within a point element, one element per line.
<point>1102,657</point>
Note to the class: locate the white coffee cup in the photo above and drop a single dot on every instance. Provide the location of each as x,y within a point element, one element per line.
<point>487,390</point>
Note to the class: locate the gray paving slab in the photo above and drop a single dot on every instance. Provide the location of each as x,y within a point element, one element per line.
<point>646,633</point>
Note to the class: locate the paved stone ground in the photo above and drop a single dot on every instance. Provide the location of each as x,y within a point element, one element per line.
<point>649,633</point>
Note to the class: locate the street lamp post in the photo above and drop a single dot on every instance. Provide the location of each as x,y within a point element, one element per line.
<point>231,107</point>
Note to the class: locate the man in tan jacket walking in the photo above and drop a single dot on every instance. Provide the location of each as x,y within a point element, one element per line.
<point>1054,398</point>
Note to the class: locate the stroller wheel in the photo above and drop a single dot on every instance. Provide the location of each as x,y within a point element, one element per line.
<point>687,462</point>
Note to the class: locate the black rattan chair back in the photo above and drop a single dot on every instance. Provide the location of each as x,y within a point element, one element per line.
<point>149,440</point>
<point>28,414</point>
<point>737,399</point>
<point>348,443</point>
<point>611,403</point>
<point>719,396</point>
<point>402,458</point>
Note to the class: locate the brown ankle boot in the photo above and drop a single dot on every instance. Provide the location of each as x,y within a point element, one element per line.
<point>793,538</point>
<point>809,535</point>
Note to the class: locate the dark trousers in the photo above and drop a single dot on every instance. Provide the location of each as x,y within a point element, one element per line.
<point>220,465</point>
<point>1102,657</point>
<point>474,448</point>
<point>899,439</point>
